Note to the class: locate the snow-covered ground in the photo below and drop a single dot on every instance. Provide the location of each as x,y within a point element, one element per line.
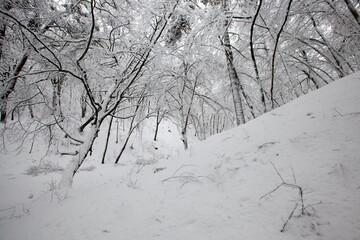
<point>226,187</point>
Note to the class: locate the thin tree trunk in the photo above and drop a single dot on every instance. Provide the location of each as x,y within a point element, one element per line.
<point>131,130</point>
<point>83,105</point>
<point>124,145</point>
<point>2,35</point>
<point>107,140</point>
<point>235,86</point>
<point>185,116</point>
<point>31,111</point>
<point>54,82</point>
<point>274,55</point>
<point>235,83</point>
<point>59,88</point>
<point>158,120</point>
<point>132,127</point>
<point>309,72</point>
<point>258,80</point>
<point>292,82</point>
<point>117,131</point>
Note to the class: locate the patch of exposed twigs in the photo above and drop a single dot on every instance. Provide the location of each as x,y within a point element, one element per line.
<point>185,177</point>
<point>293,186</point>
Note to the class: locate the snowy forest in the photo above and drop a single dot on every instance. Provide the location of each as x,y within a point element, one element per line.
<point>87,80</point>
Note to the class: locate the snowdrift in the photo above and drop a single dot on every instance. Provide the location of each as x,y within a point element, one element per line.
<point>230,186</point>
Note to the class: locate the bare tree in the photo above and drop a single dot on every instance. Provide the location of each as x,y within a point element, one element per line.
<point>108,105</point>
<point>257,77</point>
<point>274,54</point>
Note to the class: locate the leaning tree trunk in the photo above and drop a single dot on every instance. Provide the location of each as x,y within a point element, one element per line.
<point>130,131</point>
<point>107,140</point>
<point>108,106</point>
<point>235,83</point>
<point>256,69</point>
<point>274,55</point>
<point>158,120</point>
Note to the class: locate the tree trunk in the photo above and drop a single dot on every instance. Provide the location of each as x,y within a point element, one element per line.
<point>11,86</point>
<point>107,140</point>
<point>107,106</point>
<point>2,35</point>
<point>158,120</point>
<point>235,83</point>
<point>258,80</point>
<point>54,82</point>
<point>67,177</point>
<point>117,131</point>
<point>131,130</point>
<point>274,55</point>
<point>83,105</point>
<point>132,126</point>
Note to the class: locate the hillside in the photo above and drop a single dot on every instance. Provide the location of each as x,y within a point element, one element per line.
<point>226,187</point>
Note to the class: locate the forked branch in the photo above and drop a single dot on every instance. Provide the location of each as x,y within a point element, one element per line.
<point>290,185</point>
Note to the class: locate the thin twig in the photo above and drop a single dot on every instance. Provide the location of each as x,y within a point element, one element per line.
<point>271,191</point>
<point>287,220</point>
<point>285,184</point>
<point>293,172</point>
<point>277,172</point>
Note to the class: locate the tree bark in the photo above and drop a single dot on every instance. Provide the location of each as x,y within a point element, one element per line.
<point>2,35</point>
<point>105,109</point>
<point>235,83</point>
<point>67,177</point>
<point>107,139</point>
<point>11,86</point>
<point>56,101</point>
<point>258,80</point>
<point>274,55</point>
<point>353,10</point>
<point>158,120</point>
<point>83,105</point>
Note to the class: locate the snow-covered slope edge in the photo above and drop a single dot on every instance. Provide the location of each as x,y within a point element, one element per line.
<point>215,190</point>
<point>314,139</point>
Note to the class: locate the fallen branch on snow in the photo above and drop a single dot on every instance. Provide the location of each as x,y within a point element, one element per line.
<point>290,185</point>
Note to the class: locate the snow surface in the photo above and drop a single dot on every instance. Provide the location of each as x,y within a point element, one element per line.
<point>221,188</point>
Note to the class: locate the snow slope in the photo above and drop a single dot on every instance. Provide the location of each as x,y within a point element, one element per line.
<point>222,188</point>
